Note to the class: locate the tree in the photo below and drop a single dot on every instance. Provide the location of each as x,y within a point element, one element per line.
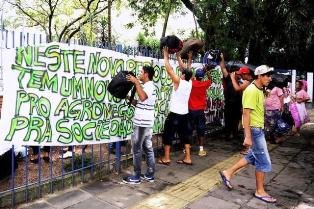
<point>60,18</point>
<point>275,32</point>
<point>149,12</point>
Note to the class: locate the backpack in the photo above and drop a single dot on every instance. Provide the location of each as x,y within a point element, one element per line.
<point>194,45</point>
<point>119,86</point>
<point>173,43</point>
<point>282,127</point>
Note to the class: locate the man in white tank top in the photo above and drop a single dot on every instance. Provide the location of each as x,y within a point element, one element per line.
<point>177,119</point>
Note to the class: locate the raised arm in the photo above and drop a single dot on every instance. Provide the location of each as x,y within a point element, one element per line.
<point>139,90</point>
<point>236,86</point>
<point>175,78</point>
<point>208,73</point>
<point>190,57</point>
<point>180,62</point>
<point>223,66</point>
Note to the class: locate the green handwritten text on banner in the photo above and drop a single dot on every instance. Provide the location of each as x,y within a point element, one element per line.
<point>57,95</point>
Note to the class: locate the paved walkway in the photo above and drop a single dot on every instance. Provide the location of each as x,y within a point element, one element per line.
<point>198,186</point>
<point>179,186</point>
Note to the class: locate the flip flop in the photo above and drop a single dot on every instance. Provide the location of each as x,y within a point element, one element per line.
<point>160,161</point>
<point>183,162</point>
<point>225,181</point>
<point>267,198</point>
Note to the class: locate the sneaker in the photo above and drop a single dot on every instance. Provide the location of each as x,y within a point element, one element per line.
<point>68,154</point>
<point>149,178</point>
<point>132,180</point>
<point>202,153</point>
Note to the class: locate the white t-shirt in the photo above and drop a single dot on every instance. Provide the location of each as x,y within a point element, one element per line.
<point>180,98</point>
<point>144,111</point>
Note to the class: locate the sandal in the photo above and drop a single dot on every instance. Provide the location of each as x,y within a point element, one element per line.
<point>267,198</point>
<point>184,162</point>
<point>160,161</point>
<point>225,181</point>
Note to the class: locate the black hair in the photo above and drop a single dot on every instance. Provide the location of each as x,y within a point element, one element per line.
<point>150,70</point>
<point>187,74</point>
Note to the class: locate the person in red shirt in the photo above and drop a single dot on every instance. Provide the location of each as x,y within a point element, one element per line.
<point>197,105</point>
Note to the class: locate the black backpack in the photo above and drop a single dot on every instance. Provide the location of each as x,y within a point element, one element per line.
<point>119,86</point>
<point>173,43</point>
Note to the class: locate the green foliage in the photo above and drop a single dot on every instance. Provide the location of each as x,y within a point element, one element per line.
<point>147,41</point>
<point>149,12</point>
<point>278,33</point>
<point>77,162</point>
<point>63,19</point>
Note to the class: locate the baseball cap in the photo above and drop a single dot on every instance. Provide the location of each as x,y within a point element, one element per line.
<point>263,69</point>
<point>199,73</point>
<point>243,70</point>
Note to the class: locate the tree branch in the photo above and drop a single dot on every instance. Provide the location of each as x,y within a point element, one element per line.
<point>28,15</point>
<point>83,23</point>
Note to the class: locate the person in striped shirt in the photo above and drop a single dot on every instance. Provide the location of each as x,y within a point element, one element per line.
<point>143,122</point>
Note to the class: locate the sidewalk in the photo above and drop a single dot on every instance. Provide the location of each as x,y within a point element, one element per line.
<point>199,186</point>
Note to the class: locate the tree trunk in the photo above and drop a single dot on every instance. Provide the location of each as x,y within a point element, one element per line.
<point>166,20</point>
<point>196,28</point>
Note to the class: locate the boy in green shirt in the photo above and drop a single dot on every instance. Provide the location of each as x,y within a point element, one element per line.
<point>253,124</point>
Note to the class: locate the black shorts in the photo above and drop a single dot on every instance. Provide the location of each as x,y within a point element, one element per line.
<point>176,123</point>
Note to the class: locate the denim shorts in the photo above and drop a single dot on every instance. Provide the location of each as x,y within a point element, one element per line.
<point>258,154</point>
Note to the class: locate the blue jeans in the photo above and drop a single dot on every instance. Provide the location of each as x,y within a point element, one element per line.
<point>258,154</point>
<point>142,140</point>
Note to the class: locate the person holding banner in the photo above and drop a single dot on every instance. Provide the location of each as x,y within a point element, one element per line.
<point>143,122</point>
<point>177,120</point>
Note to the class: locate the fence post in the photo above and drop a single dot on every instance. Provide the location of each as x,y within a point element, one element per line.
<point>13,39</point>
<point>12,177</point>
<point>118,156</point>
<point>21,39</point>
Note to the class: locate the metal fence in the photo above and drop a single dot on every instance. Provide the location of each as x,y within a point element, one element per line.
<point>28,179</point>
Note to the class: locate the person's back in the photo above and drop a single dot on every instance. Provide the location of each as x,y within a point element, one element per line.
<point>232,100</point>
<point>197,100</point>
<point>177,121</point>
<point>197,106</point>
<point>180,97</point>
